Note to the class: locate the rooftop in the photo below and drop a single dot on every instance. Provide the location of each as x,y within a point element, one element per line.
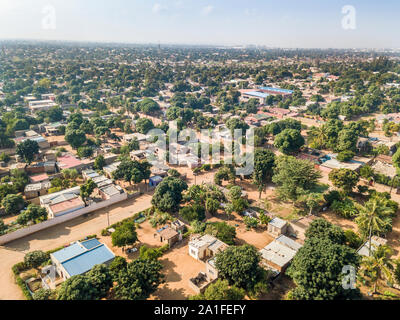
<point>80,257</point>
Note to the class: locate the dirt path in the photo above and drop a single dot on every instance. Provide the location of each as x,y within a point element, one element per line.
<point>60,235</point>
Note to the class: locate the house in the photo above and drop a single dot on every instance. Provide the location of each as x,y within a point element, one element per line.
<point>41,167</point>
<point>41,105</point>
<point>112,191</point>
<point>81,257</point>
<point>277,226</point>
<point>247,94</point>
<point>168,235</point>
<point>70,162</point>
<point>39,178</point>
<point>297,228</point>
<point>89,174</point>
<point>37,189</point>
<point>138,155</point>
<point>64,198</point>
<point>178,226</point>
<point>375,243</point>
<point>279,253</point>
<point>33,136</point>
<point>108,170</point>
<point>129,137</point>
<point>65,206</point>
<point>205,246</point>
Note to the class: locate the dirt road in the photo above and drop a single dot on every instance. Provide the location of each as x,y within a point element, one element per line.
<point>59,235</point>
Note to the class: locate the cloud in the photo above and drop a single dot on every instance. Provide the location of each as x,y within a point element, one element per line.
<point>159,8</point>
<point>207,10</point>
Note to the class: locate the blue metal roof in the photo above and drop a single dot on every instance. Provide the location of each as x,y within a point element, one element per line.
<point>276,89</point>
<point>257,94</point>
<point>90,244</point>
<point>87,260</point>
<point>69,252</point>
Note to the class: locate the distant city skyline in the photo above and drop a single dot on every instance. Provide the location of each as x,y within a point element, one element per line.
<point>285,23</point>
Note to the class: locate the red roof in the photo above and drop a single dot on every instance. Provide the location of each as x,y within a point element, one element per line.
<point>65,205</point>
<point>39,178</point>
<point>67,162</point>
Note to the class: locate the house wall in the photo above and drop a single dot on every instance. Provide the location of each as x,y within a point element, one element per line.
<point>20,233</point>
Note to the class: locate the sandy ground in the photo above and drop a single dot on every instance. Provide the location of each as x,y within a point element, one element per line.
<point>60,235</point>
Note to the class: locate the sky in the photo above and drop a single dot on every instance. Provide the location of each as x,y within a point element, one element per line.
<point>272,23</point>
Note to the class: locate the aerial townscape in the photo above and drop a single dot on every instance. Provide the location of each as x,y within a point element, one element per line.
<point>198,172</point>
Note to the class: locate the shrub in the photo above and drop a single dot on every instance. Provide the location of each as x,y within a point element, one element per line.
<point>35,258</point>
<point>345,208</point>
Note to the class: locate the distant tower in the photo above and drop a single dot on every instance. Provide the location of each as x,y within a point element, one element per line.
<point>159,46</point>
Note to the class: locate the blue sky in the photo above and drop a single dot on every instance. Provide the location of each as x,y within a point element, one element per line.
<point>278,23</point>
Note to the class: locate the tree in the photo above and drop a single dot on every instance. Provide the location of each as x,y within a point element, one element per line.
<point>317,270</point>
<point>372,218</point>
<point>239,265</point>
<point>294,177</point>
<point>312,200</point>
<point>132,171</point>
<point>3,227</point>
<point>99,162</point>
<point>212,206</point>
<point>100,280</point>
<point>144,125</point>
<point>85,152</point>
<point>289,141</point>
<point>13,203</point>
<point>378,265</point>
<point>124,235</point>
<point>345,155</point>
<point>77,288</point>
<point>264,163</point>
<point>27,150</point>
<point>168,194</point>
<point>235,193</point>
<point>148,106</point>
<point>139,280</point>
<point>87,189</point>
<point>35,259</point>
<point>75,137</point>
<point>323,229</point>
<point>193,212</point>
<point>33,213</point>
<point>42,294</point>
<point>220,290</point>
<point>345,179</point>
<point>116,266</point>
<point>222,231</point>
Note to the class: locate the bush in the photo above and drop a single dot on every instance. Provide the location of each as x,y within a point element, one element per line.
<point>346,155</point>
<point>332,196</point>
<point>35,258</point>
<point>194,212</point>
<point>352,239</point>
<point>345,208</point>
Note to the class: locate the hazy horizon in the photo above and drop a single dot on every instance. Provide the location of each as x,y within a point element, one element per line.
<point>291,24</point>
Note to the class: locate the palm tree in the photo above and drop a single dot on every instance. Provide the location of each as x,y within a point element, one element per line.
<point>371,218</point>
<point>317,137</point>
<point>378,265</point>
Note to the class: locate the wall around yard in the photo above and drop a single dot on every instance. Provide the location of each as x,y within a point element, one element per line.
<point>20,233</point>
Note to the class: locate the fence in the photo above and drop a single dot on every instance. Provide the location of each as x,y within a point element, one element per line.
<point>20,233</point>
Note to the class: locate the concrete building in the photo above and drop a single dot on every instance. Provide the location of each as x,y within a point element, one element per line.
<point>277,255</point>
<point>81,257</point>
<point>205,246</point>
